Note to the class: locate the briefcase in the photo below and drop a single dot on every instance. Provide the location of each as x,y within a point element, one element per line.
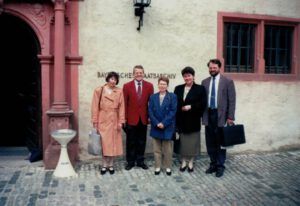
<point>233,135</point>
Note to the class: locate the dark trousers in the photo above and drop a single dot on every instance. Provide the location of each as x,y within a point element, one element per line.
<point>136,143</point>
<point>213,135</point>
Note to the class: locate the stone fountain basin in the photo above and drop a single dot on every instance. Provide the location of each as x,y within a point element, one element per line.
<point>63,136</point>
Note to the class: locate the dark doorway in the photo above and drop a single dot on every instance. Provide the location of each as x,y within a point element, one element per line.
<point>20,84</point>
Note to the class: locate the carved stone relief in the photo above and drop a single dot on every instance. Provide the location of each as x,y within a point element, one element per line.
<point>37,13</point>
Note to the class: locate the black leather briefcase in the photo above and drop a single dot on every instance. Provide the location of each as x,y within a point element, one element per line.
<point>233,135</point>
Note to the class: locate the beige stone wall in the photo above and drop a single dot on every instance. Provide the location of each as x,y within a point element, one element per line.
<point>175,34</point>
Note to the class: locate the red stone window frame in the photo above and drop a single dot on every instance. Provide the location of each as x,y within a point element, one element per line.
<point>259,62</point>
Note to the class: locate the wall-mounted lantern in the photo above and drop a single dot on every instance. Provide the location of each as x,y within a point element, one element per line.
<point>139,10</point>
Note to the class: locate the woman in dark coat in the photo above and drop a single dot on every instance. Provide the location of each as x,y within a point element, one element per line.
<point>190,107</point>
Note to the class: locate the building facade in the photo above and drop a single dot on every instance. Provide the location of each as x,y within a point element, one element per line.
<point>67,47</point>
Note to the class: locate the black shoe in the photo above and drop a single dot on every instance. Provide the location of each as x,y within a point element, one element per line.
<point>156,172</point>
<point>143,165</point>
<point>211,169</point>
<point>129,166</point>
<point>169,173</point>
<point>190,169</point>
<point>103,170</point>
<point>111,170</point>
<point>220,171</point>
<point>182,169</point>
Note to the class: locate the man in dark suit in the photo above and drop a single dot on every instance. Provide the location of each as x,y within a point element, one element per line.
<point>136,94</point>
<point>220,110</point>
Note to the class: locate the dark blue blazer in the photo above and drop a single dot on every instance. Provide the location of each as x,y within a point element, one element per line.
<point>165,114</point>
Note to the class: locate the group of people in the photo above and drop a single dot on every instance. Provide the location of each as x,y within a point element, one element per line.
<point>173,116</point>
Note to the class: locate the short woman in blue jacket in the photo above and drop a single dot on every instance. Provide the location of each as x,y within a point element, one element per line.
<point>162,112</point>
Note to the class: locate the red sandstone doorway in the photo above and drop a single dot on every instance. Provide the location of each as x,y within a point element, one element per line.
<point>20,84</point>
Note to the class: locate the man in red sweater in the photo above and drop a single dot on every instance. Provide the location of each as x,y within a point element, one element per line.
<point>136,94</point>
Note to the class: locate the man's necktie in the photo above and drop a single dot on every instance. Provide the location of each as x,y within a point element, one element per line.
<point>213,95</point>
<point>139,91</point>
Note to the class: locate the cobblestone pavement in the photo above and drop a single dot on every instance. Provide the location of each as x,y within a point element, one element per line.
<point>249,179</point>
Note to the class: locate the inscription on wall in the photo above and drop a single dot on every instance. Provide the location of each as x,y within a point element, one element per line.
<point>129,75</point>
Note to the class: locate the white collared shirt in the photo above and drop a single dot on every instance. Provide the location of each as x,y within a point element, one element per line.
<point>186,91</point>
<point>217,79</point>
<point>136,85</point>
<point>161,98</point>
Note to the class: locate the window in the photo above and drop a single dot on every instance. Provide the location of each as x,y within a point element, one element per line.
<point>278,49</point>
<point>259,47</point>
<point>239,47</point>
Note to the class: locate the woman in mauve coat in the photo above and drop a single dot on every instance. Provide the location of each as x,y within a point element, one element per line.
<point>108,115</point>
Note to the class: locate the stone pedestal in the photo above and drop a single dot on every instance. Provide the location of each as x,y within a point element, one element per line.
<point>59,120</point>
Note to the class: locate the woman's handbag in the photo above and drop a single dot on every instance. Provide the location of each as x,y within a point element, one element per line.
<point>94,143</point>
<point>94,147</point>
